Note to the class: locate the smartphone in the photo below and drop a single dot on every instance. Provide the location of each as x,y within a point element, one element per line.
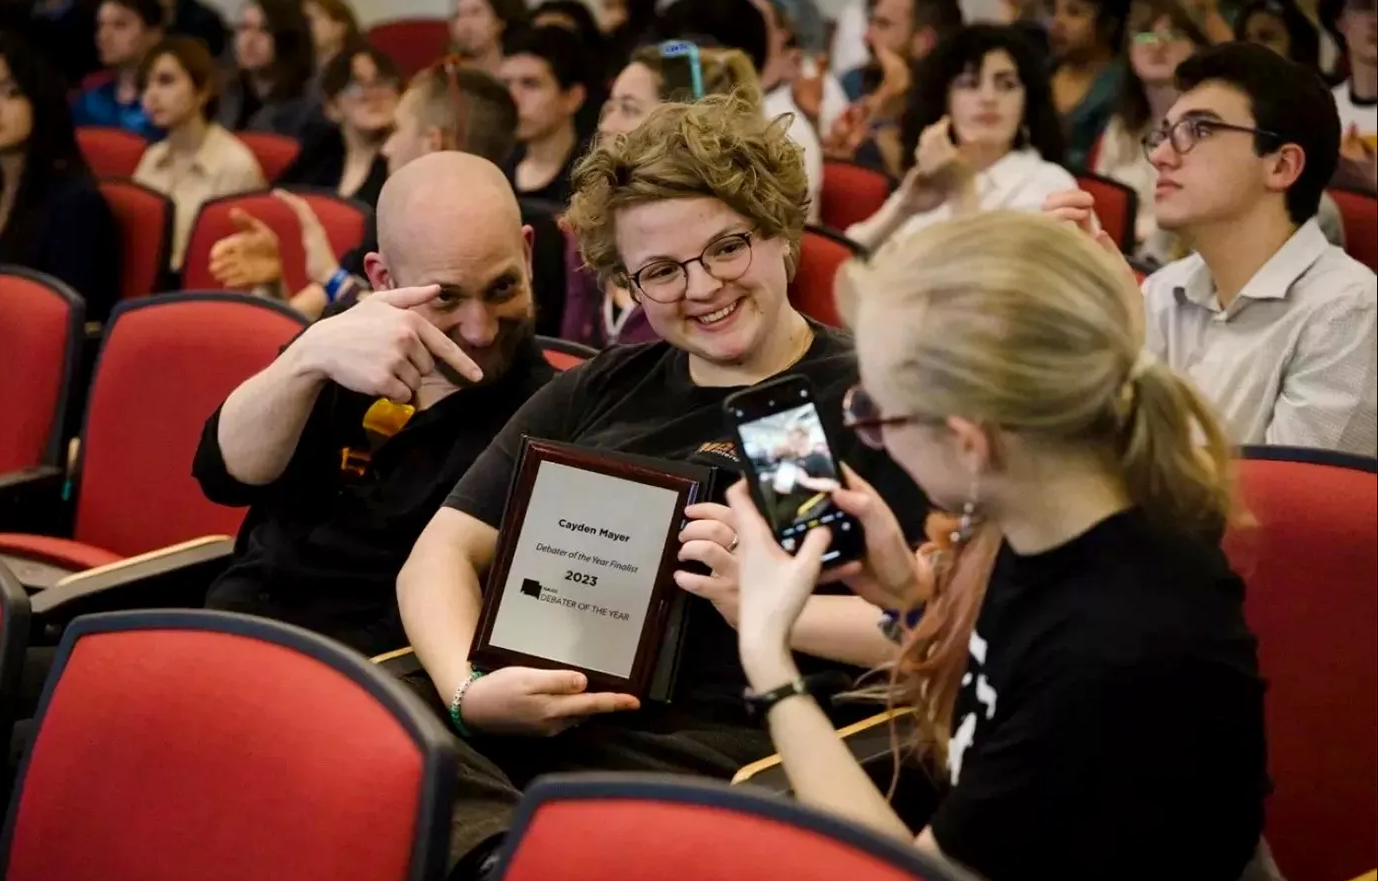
<point>790,465</point>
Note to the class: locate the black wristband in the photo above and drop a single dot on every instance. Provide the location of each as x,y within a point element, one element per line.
<point>820,686</point>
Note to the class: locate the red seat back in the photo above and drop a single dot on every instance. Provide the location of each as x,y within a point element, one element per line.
<point>144,217</point>
<point>111,152</point>
<point>274,152</point>
<point>1310,569</point>
<point>1117,207</point>
<point>166,364</point>
<point>414,43</point>
<point>576,828</point>
<point>851,193</point>
<point>41,331</point>
<point>343,219</point>
<point>1360,214</point>
<point>564,354</point>
<point>821,252</point>
<point>178,745</point>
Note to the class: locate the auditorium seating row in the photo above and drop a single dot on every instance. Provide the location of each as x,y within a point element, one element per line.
<point>230,726</point>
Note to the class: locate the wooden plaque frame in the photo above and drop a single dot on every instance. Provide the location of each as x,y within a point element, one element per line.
<point>691,483</point>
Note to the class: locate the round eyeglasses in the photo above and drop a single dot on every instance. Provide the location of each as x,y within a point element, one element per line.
<point>1184,134</point>
<point>665,281</point>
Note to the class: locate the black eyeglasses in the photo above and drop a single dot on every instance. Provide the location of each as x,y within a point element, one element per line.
<point>1184,133</point>
<point>665,281</point>
<point>862,415</point>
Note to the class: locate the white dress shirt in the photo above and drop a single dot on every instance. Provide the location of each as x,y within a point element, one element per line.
<point>1018,182</point>
<point>1291,360</point>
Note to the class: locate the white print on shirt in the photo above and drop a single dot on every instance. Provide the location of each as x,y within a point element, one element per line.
<point>963,737</point>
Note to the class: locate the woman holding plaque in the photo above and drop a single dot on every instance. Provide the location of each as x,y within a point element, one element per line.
<point>699,211</point>
<point>1080,665</point>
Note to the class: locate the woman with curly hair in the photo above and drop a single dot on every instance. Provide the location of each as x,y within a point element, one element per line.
<point>700,210</point>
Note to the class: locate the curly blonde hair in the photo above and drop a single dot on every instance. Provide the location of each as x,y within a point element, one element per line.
<point>718,147</point>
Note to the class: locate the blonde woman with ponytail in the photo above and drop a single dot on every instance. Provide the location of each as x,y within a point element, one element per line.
<point>1086,689</point>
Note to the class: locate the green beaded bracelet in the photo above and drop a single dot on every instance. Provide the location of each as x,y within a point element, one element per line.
<point>474,676</point>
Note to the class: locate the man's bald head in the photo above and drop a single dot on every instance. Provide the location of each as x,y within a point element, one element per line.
<point>451,219</point>
<point>432,201</point>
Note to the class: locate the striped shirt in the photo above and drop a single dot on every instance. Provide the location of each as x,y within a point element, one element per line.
<point>1291,360</point>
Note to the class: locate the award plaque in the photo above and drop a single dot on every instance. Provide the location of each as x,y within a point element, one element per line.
<point>583,574</point>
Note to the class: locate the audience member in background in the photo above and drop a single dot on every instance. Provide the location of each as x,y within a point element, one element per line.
<point>870,132</point>
<point>333,27</point>
<point>547,72</point>
<point>1283,27</point>
<point>446,107</point>
<point>192,18</point>
<point>1271,321</point>
<point>701,208</point>
<point>478,27</point>
<point>575,17</point>
<point>125,30</point>
<point>52,216</point>
<point>198,160</point>
<point>359,88</point>
<point>270,90</point>
<point>1085,37</point>
<point>604,315</point>
<point>1082,671</point>
<point>1355,25</point>
<point>1161,35</point>
<point>339,490</point>
<point>981,133</point>
<point>751,26</point>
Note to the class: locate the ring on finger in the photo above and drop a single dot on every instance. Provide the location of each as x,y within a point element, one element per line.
<point>733,546</point>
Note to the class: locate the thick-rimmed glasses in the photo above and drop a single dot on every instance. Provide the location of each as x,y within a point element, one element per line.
<point>861,414</point>
<point>1184,133</point>
<point>665,281</point>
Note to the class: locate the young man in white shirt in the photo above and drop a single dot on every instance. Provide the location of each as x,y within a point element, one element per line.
<point>1354,23</point>
<point>1273,323</point>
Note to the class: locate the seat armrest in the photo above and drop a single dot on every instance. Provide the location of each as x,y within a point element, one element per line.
<point>31,501</point>
<point>871,741</point>
<point>176,576</point>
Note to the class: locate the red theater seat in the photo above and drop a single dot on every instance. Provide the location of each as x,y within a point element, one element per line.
<point>579,828</point>
<point>1117,207</point>
<point>1310,570</point>
<point>1360,214</point>
<point>343,219</point>
<point>821,252</point>
<point>564,354</point>
<point>414,43</point>
<point>111,152</point>
<point>144,217</point>
<point>41,334</point>
<point>851,193</point>
<point>172,746</point>
<point>166,364</point>
<point>274,152</point>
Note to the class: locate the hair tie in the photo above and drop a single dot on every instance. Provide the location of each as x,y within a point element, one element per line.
<point>1129,389</point>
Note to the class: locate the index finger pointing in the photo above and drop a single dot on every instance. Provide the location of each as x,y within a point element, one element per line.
<point>406,298</point>
<point>447,350</point>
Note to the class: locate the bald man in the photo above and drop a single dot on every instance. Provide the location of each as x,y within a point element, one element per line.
<point>346,445</point>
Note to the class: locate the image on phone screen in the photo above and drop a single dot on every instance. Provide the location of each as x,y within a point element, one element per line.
<point>795,472</point>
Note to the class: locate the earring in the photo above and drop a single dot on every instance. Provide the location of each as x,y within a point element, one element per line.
<point>966,526</point>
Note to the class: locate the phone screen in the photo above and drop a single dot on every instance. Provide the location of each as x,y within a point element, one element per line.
<point>793,468</point>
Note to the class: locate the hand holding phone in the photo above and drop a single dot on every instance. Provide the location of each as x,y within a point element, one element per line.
<point>790,467</point>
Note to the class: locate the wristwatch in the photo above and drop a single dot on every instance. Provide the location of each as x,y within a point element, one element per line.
<point>820,686</point>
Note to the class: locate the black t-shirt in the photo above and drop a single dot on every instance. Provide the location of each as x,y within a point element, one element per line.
<point>555,194</point>
<point>640,400</point>
<point>322,547</point>
<point>321,164</point>
<point>1110,724</point>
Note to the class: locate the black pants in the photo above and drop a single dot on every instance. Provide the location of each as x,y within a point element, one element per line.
<point>493,771</point>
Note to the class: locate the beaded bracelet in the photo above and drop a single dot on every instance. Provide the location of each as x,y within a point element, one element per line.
<point>474,676</point>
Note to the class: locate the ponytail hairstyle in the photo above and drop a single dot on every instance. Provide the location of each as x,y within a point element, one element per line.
<point>1021,323</point>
